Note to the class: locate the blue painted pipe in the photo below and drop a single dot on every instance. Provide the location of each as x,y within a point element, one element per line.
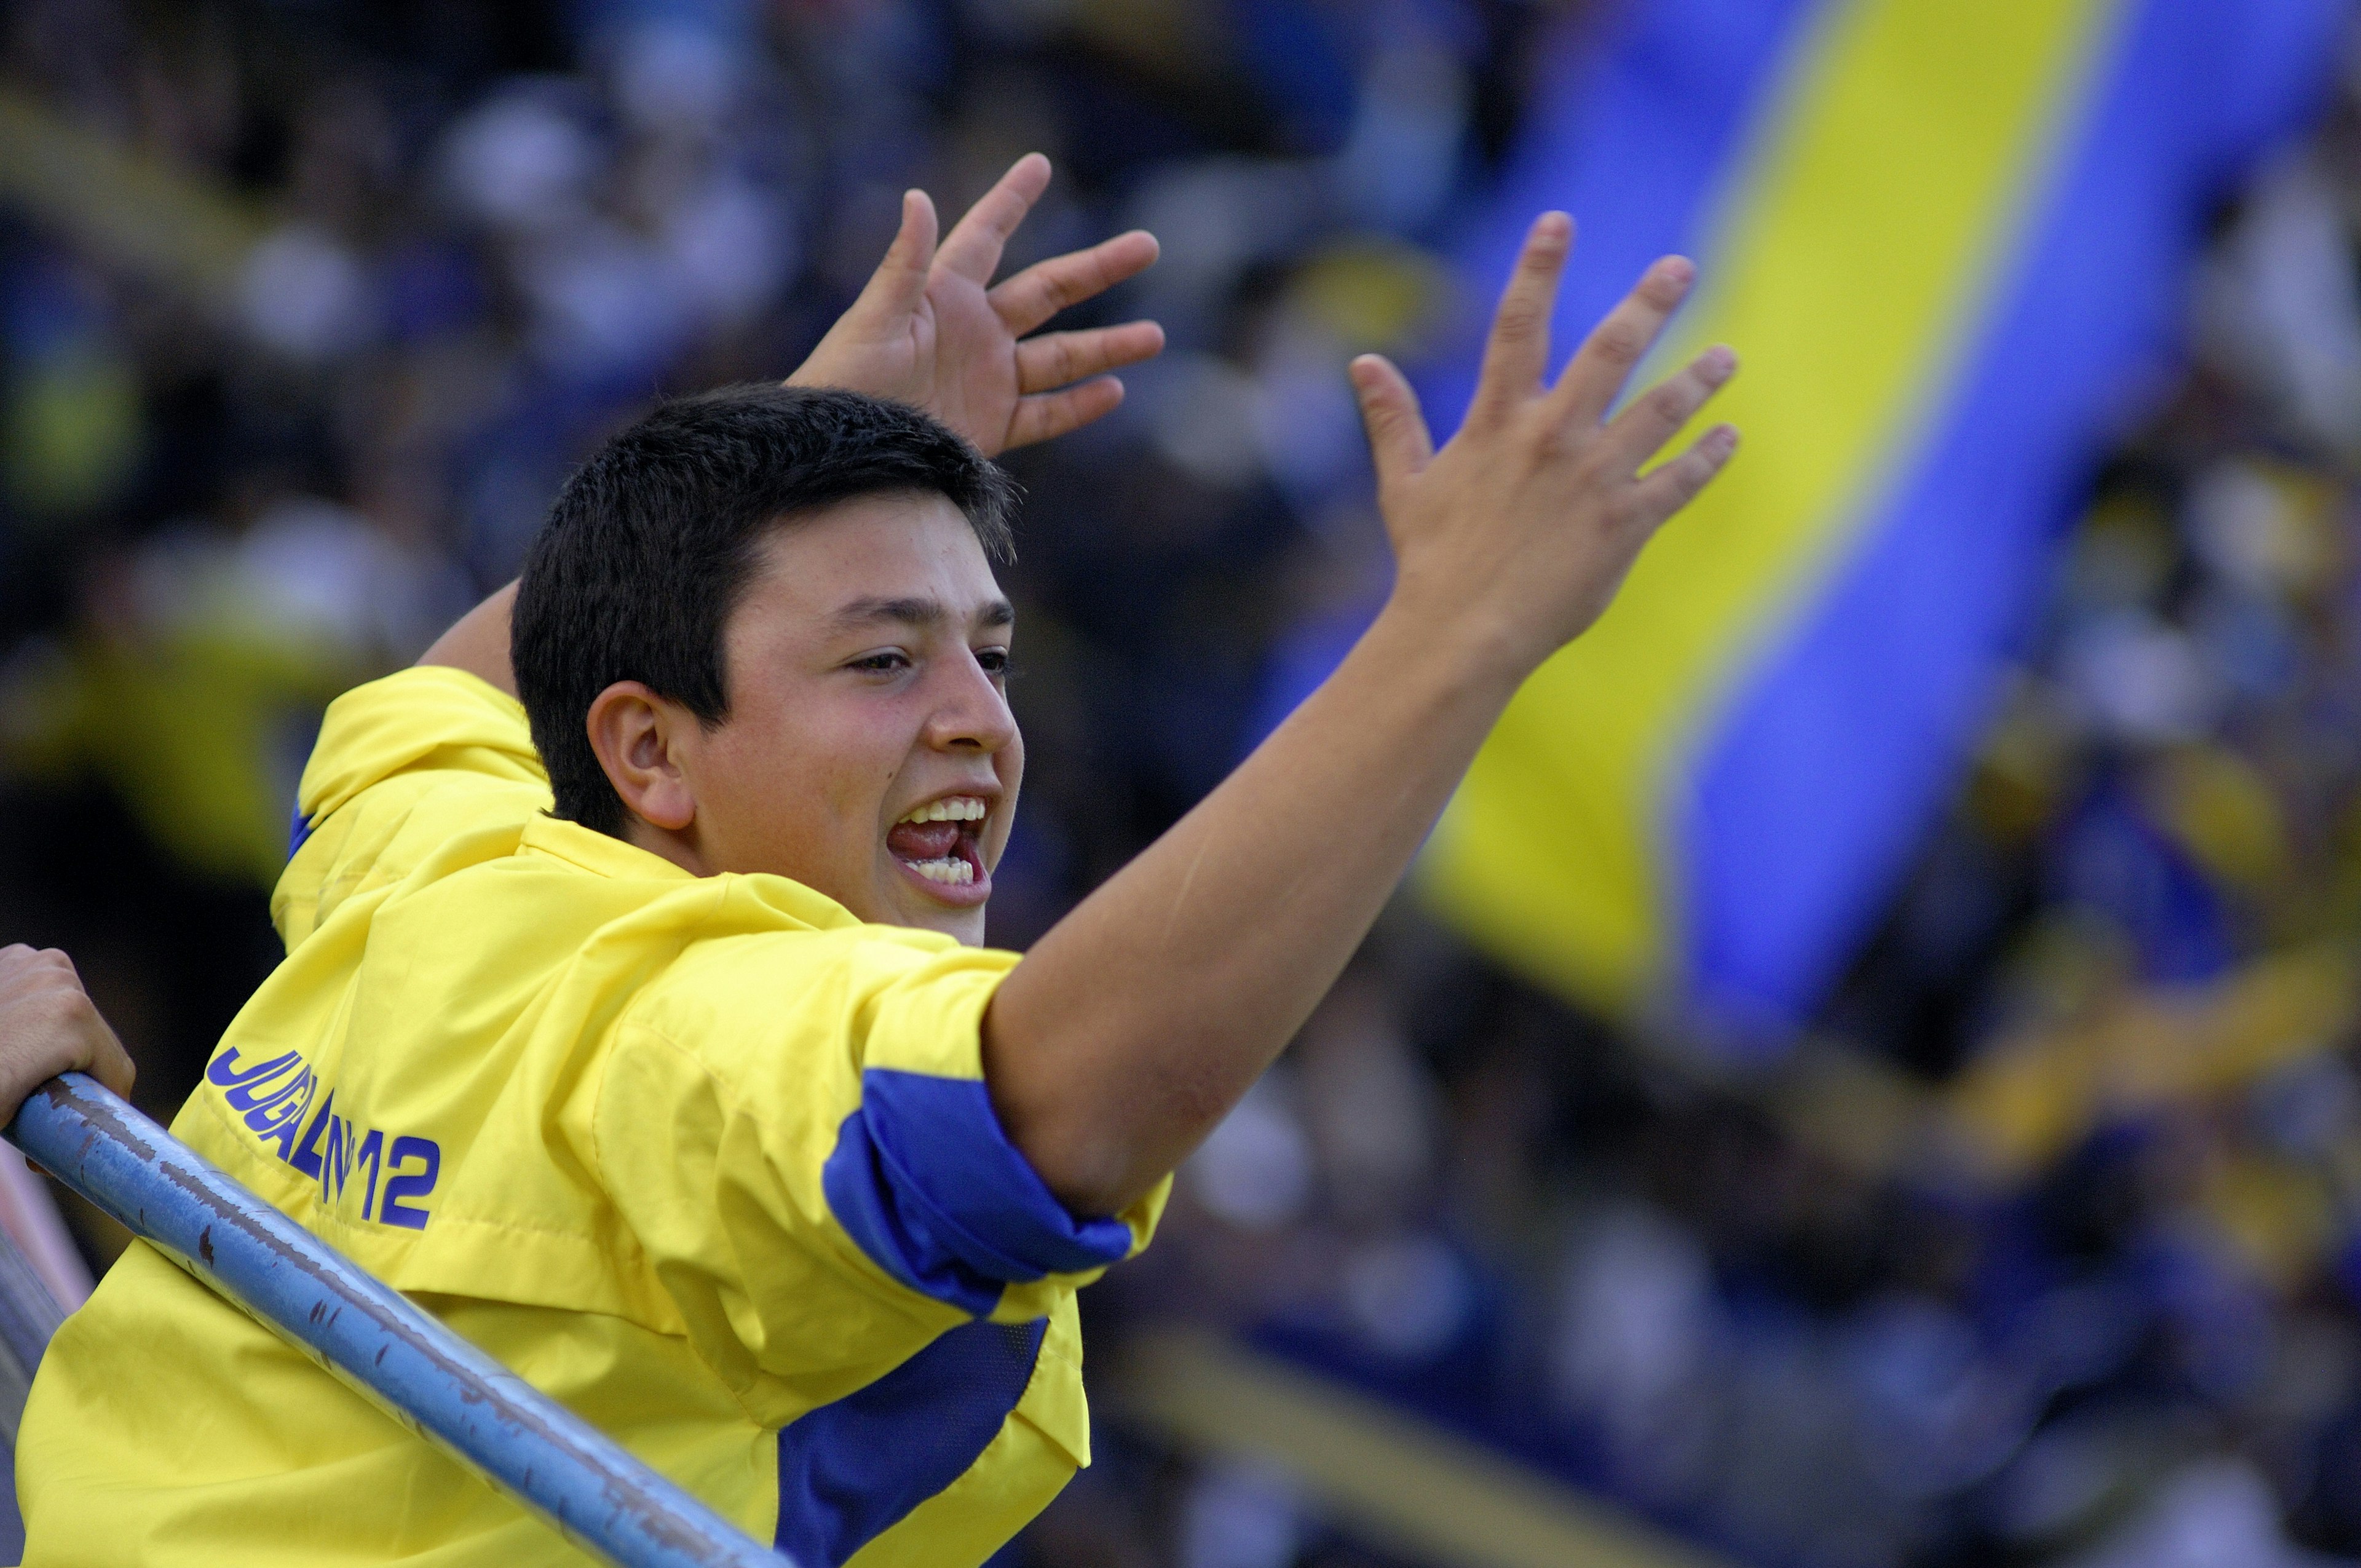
<point>428,1377</point>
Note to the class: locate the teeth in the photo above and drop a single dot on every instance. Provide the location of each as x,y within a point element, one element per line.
<point>955,808</point>
<point>950,868</point>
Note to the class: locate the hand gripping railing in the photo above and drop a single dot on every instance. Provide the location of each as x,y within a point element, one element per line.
<point>424,1375</point>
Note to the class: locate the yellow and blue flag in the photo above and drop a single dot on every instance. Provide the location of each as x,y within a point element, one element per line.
<point>1948,239</point>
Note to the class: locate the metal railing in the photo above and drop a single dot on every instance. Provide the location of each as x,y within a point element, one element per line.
<point>28,1316</point>
<point>427,1378</point>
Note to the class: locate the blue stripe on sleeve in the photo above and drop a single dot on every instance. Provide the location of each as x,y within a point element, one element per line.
<point>297,831</point>
<point>850,1470</point>
<point>925,1180</point>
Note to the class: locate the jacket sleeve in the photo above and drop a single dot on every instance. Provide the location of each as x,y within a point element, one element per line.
<point>800,1136</point>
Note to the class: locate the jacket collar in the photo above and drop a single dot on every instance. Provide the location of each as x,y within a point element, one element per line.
<point>587,848</point>
<point>593,851</point>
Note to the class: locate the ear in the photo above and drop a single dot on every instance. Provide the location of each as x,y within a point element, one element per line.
<point>632,731</point>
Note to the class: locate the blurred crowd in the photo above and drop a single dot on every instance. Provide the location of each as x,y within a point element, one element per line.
<point>2044,1246</point>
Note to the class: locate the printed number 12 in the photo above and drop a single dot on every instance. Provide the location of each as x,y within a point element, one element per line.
<point>372,1154</point>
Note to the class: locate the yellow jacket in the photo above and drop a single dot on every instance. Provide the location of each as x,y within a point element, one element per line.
<point>706,1159</point>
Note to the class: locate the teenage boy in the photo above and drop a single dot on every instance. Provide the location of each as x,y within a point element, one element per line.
<point>656,1049</point>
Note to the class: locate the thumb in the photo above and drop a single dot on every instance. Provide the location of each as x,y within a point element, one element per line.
<point>893,290</point>
<point>1399,440</point>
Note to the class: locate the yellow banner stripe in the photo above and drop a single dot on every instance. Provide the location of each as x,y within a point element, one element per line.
<point>1425,1492</point>
<point>1889,185</point>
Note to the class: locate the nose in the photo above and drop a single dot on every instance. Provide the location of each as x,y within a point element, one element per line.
<point>971,712</point>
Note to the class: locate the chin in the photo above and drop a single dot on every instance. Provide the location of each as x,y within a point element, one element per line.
<point>964,925</point>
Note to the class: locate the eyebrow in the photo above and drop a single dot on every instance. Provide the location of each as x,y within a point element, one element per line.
<point>917,612</point>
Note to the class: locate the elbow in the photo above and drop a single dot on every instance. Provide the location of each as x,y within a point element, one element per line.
<point>1092,1177</point>
<point>1095,1160</point>
<point>1080,1129</point>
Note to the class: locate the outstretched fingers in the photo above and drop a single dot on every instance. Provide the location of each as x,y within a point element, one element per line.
<point>1672,486</point>
<point>1596,376</point>
<point>973,247</point>
<point>1519,346</point>
<point>1044,289</point>
<point>1399,440</point>
<point>1044,416</point>
<point>1055,359</point>
<point>1639,432</point>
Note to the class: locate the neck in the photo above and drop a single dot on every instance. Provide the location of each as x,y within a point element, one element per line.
<point>678,846</point>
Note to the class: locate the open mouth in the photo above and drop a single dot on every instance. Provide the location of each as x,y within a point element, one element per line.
<point>938,843</point>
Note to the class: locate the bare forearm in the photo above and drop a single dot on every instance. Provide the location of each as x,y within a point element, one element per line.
<point>1135,1023</point>
<point>478,641</point>
<point>1140,1019</point>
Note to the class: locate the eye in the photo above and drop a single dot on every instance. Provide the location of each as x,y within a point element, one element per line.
<point>893,661</point>
<point>995,662</point>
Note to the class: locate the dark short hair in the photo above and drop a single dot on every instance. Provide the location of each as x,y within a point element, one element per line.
<point>652,541</point>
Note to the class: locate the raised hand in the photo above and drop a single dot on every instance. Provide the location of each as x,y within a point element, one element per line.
<point>1521,529</point>
<point>931,329</point>
<point>1227,929</point>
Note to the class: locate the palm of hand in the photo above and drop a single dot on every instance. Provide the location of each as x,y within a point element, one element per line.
<point>963,361</point>
<point>1522,528</point>
<point>931,329</point>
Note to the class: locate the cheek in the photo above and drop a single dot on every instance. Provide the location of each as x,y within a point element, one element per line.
<point>828,768</point>
<point>776,783</point>
<point>1008,765</point>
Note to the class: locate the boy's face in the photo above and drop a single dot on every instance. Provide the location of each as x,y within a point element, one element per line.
<point>867,666</point>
